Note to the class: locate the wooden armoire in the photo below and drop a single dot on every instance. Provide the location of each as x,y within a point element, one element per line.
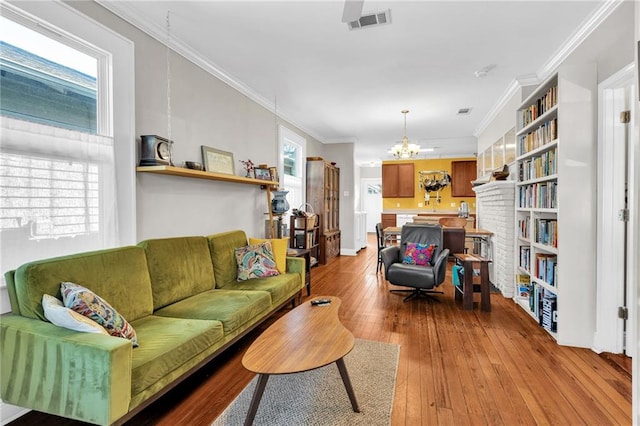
<point>323,194</point>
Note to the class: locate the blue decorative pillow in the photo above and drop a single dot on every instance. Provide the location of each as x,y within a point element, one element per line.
<point>256,261</point>
<point>419,254</point>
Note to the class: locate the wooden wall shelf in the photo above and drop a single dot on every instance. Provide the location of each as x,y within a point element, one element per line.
<point>183,172</point>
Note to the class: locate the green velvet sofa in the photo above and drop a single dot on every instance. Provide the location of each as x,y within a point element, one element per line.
<point>180,295</point>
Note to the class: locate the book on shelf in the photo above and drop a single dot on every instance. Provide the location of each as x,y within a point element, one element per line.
<point>525,257</point>
<point>546,232</point>
<point>524,286</point>
<point>523,227</point>
<point>540,106</point>
<point>546,267</point>
<point>549,314</point>
<point>546,133</point>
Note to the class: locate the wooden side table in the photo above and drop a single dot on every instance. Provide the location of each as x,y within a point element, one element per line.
<point>306,253</point>
<point>465,292</point>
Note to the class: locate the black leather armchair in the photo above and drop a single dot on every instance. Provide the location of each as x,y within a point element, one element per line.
<point>423,279</point>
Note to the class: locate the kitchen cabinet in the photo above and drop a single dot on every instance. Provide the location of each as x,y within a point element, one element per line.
<point>398,180</point>
<point>388,219</point>
<point>462,173</point>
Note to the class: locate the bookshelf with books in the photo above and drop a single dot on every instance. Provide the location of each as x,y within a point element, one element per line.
<point>304,231</point>
<point>555,204</point>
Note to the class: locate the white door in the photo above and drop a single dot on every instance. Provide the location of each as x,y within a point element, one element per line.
<point>613,331</point>
<point>371,196</point>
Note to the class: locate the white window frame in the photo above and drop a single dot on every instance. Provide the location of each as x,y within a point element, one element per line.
<point>119,92</point>
<point>286,135</point>
<point>115,94</point>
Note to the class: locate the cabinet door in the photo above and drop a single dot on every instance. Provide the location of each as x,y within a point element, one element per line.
<point>388,219</point>
<point>462,173</point>
<point>390,180</point>
<point>398,180</point>
<point>406,181</point>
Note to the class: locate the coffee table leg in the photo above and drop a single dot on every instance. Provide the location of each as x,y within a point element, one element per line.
<point>347,384</point>
<point>255,400</point>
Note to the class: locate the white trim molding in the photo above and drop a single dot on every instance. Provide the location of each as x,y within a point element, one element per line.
<point>132,15</point>
<point>551,65</point>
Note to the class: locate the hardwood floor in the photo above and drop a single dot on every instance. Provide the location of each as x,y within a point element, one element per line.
<point>455,367</point>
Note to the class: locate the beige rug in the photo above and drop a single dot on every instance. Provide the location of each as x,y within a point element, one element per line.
<point>318,397</point>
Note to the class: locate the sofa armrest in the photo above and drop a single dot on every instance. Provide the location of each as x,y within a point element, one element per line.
<point>84,376</point>
<point>297,265</point>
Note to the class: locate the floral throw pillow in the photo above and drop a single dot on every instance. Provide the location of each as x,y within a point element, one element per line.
<point>87,303</point>
<point>256,261</point>
<point>419,254</point>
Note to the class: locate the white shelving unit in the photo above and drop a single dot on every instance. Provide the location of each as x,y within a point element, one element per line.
<point>555,204</point>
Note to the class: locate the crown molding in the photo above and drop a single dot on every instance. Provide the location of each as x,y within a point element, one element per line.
<point>132,15</point>
<point>511,90</point>
<point>552,64</point>
<point>578,36</point>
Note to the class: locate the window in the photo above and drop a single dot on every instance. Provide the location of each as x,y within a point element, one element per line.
<point>58,141</point>
<point>292,160</point>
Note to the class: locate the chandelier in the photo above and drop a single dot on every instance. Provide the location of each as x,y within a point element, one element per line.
<point>405,150</point>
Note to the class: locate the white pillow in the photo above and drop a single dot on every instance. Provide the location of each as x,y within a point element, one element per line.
<point>55,312</point>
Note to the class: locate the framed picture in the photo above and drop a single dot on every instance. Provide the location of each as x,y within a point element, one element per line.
<point>273,172</point>
<point>217,161</point>
<point>262,173</point>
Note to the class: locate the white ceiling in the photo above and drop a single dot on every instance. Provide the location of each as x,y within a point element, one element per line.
<point>350,86</point>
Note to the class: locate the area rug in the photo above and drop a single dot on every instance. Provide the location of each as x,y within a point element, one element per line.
<point>318,397</point>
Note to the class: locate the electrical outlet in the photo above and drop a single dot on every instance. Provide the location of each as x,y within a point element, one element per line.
<point>453,204</point>
<point>397,204</point>
<point>420,204</point>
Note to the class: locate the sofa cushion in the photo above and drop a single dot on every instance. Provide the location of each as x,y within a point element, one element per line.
<point>87,303</point>
<point>64,317</point>
<point>179,268</point>
<point>255,261</point>
<point>232,308</point>
<point>280,287</point>
<point>118,275</point>
<point>166,344</point>
<point>222,247</point>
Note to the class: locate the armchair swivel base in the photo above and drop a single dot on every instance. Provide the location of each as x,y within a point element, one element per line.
<point>419,293</point>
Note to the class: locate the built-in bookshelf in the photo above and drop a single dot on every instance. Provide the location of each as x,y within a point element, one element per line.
<point>555,205</point>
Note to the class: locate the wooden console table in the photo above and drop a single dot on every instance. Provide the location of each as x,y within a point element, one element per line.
<point>465,292</point>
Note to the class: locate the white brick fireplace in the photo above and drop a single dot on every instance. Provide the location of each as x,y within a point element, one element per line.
<point>495,208</point>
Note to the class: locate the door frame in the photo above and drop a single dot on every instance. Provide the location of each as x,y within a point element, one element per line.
<point>363,193</point>
<point>610,277</point>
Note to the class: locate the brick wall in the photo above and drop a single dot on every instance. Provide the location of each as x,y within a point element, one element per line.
<point>495,206</point>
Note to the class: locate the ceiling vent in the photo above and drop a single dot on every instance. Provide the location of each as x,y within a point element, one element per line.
<point>371,19</point>
<point>464,111</point>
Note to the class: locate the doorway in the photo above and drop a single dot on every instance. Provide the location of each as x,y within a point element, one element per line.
<point>614,331</point>
<point>371,196</point>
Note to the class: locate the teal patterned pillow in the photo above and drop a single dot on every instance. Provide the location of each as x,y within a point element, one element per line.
<point>418,254</point>
<point>256,261</point>
<point>87,303</point>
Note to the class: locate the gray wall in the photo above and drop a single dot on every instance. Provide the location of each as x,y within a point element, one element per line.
<point>204,111</point>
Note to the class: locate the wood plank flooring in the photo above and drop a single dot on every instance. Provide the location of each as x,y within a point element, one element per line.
<point>456,367</point>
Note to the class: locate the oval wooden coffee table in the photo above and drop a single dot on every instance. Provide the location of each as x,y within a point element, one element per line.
<point>306,338</point>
